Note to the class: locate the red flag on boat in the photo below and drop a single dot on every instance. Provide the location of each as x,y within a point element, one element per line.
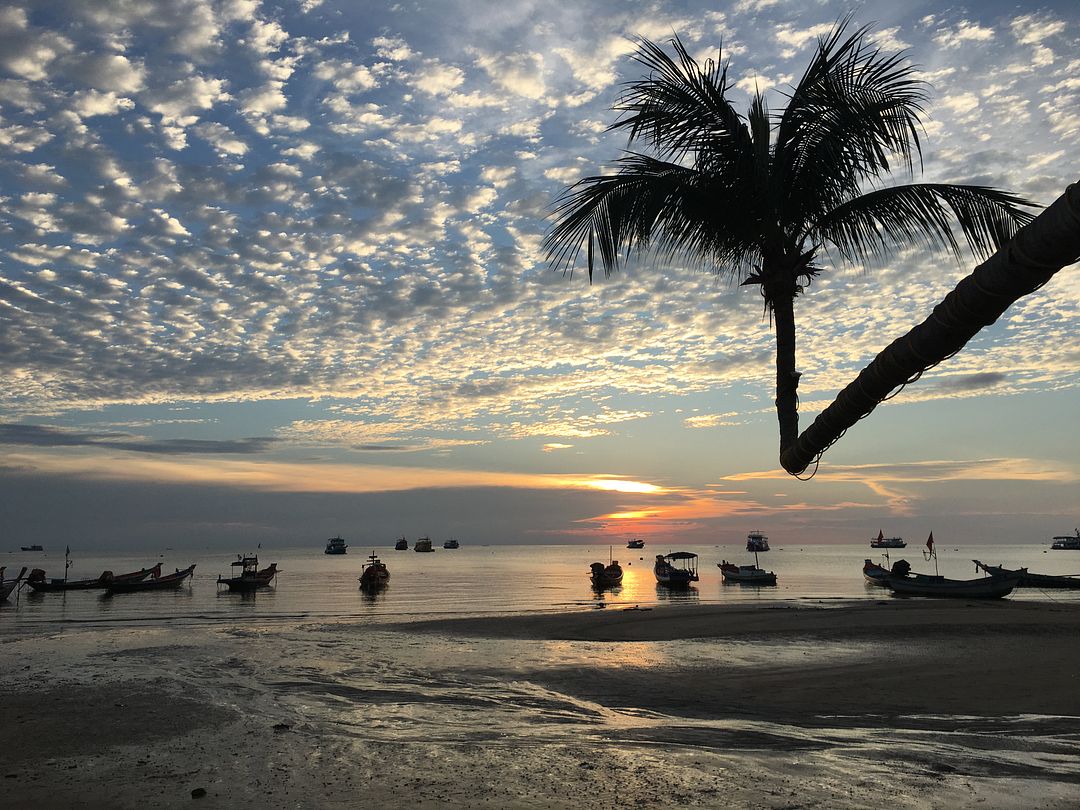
<point>930,542</point>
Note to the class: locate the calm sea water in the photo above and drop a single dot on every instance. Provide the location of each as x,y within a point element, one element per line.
<point>474,580</point>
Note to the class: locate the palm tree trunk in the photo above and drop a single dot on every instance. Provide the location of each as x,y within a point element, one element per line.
<point>787,378</point>
<point>1028,261</point>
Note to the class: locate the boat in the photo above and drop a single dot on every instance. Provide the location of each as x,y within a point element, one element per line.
<point>251,577</point>
<point>1067,542</point>
<point>336,545</point>
<point>39,583</point>
<point>881,541</point>
<point>756,541</point>
<point>1032,580</point>
<point>451,544</point>
<point>401,545</point>
<point>7,586</point>
<point>423,544</point>
<point>875,574</point>
<point>676,570</point>
<point>31,548</point>
<point>375,574</point>
<point>606,576</point>
<point>746,574</point>
<point>167,582</point>
<point>636,544</point>
<point>991,587</point>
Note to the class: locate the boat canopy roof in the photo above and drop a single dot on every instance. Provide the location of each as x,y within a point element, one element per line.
<point>680,555</point>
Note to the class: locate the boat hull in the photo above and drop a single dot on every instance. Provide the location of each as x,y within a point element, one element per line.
<point>165,583</point>
<point>739,578</point>
<point>100,583</point>
<point>941,588</point>
<point>1029,580</point>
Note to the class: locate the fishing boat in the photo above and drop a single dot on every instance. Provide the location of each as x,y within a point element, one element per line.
<point>1032,580</point>
<point>746,574</point>
<point>7,586</point>
<point>606,576</point>
<point>401,545</point>
<point>423,544</point>
<point>635,543</point>
<point>167,582</point>
<point>251,577</point>
<point>375,574</point>
<point>756,541</point>
<point>676,570</point>
<point>451,544</point>
<point>31,548</point>
<point>336,545</point>
<point>39,583</point>
<point>881,541</point>
<point>939,587</point>
<point>1067,542</point>
<point>875,574</point>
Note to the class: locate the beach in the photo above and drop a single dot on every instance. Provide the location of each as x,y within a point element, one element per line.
<point>840,703</point>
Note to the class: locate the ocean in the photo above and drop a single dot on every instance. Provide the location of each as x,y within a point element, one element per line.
<point>475,580</point>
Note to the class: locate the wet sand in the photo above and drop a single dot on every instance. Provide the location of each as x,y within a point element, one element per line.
<point>898,702</point>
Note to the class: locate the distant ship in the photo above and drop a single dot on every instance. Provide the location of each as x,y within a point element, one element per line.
<point>756,541</point>
<point>401,545</point>
<point>1063,542</point>
<point>31,548</point>
<point>451,544</point>
<point>881,541</point>
<point>636,544</point>
<point>336,545</point>
<point>423,544</point>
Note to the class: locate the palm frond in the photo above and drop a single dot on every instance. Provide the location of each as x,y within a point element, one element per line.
<point>854,110</point>
<point>867,227</point>
<point>652,205</point>
<point>681,107</point>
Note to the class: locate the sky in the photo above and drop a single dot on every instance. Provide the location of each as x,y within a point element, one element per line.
<point>271,272</point>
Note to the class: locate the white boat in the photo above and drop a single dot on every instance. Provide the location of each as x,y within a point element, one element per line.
<point>881,541</point>
<point>1067,542</point>
<point>336,545</point>
<point>756,541</point>
<point>423,544</point>
<point>746,574</point>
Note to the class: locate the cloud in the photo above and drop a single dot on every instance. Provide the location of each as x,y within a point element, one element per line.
<point>46,436</point>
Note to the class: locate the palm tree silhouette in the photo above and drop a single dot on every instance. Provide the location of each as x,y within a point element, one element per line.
<point>760,197</point>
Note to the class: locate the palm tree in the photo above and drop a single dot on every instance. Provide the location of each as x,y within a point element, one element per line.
<point>1038,251</point>
<point>760,196</point>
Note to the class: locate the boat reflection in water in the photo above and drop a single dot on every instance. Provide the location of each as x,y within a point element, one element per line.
<point>686,594</point>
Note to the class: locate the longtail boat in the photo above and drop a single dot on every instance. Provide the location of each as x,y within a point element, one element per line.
<point>167,582</point>
<point>1030,580</point>
<point>251,577</point>
<point>993,587</point>
<point>38,582</point>
<point>9,585</point>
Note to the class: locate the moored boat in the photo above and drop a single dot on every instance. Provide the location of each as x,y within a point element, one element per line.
<point>251,577</point>
<point>1066,542</point>
<point>746,574</point>
<point>875,574</point>
<point>423,544</point>
<point>167,582</point>
<point>756,541</point>
<point>635,543</point>
<point>992,587</point>
<point>401,545</point>
<point>39,583</point>
<point>8,586</point>
<point>1030,580</point>
<point>336,545</point>
<point>374,575</point>
<point>881,541</point>
<point>676,570</point>
<point>451,544</point>
<point>31,548</point>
